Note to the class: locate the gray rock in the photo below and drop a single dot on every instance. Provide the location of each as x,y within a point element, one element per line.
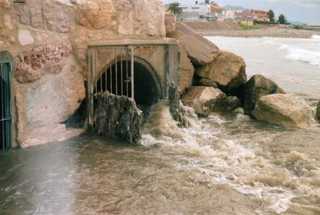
<point>255,88</point>
<point>238,110</point>
<point>225,104</point>
<point>118,117</point>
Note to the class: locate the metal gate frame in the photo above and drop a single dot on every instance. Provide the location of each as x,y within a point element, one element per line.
<point>7,128</point>
<point>171,62</point>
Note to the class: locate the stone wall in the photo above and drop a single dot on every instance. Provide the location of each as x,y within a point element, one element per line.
<point>48,40</point>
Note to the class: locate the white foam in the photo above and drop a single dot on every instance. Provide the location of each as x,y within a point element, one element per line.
<point>303,55</point>
<point>315,37</point>
<point>224,159</point>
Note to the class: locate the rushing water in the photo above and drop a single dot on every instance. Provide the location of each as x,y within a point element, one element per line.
<point>220,165</point>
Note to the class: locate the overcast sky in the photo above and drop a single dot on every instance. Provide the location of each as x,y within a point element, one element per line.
<point>307,11</point>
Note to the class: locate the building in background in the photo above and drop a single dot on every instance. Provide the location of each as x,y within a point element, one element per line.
<point>215,9</point>
<point>256,16</point>
<point>199,10</point>
<point>231,12</point>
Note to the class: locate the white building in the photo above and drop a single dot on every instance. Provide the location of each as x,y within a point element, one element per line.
<point>197,10</point>
<point>231,12</point>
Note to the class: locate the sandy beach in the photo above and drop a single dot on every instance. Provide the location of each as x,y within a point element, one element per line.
<point>232,29</point>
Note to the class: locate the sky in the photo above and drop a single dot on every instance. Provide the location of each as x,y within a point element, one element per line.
<point>306,11</point>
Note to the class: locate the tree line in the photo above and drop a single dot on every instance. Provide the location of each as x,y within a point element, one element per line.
<point>281,19</point>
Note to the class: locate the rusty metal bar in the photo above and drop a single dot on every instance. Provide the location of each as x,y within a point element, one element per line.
<point>121,72</point>
<point>132,71</point>
<point>92,88</point>
<point>111,72</point>
<point>127,72</point>
<point>116,71</point>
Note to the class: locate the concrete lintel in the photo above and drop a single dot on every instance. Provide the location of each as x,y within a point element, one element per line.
<point>133,42</point>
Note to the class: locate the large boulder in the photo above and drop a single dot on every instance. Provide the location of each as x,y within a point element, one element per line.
<point>200,50</point>
<point>186,71</point>
<point>318,112</point>
<point>227,70</point>
<point>200,98</point>
<point>285,110</point>
<point>255,88</point>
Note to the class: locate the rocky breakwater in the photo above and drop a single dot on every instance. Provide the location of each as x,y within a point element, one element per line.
<point>218,83</point>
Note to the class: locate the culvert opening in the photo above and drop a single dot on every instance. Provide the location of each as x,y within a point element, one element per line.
<point>117,79</point>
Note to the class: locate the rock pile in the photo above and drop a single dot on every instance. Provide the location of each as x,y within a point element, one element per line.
<point>216,81</point>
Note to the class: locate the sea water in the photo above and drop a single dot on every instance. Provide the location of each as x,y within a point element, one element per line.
<point>293,63</point>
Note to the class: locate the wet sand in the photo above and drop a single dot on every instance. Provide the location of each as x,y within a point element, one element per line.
<point>234,30</point>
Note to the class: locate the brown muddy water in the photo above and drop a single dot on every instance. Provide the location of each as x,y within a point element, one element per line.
<point>221,165</point>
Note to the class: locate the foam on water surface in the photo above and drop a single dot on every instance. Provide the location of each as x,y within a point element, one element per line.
<point>228,161</point>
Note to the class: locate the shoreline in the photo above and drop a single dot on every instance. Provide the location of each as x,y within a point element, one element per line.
<point>232,29</point>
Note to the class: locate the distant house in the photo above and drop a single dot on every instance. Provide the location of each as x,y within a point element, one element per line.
<point>260,16</point>
<point>254,16</point>
<point>231,12</point>
<point>215,9</point>
<point>198,10</point>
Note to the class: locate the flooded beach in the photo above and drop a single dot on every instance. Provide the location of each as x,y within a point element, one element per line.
<point>223,164</point>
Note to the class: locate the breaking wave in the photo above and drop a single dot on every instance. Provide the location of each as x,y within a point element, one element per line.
<point>316,37</point>
<point>303,54</point>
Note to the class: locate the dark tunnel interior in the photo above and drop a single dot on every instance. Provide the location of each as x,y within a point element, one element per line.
<point>117,80</point>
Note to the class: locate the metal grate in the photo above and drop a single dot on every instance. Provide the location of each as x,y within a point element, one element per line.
<point>119,77</point>
<point>5,106</point>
